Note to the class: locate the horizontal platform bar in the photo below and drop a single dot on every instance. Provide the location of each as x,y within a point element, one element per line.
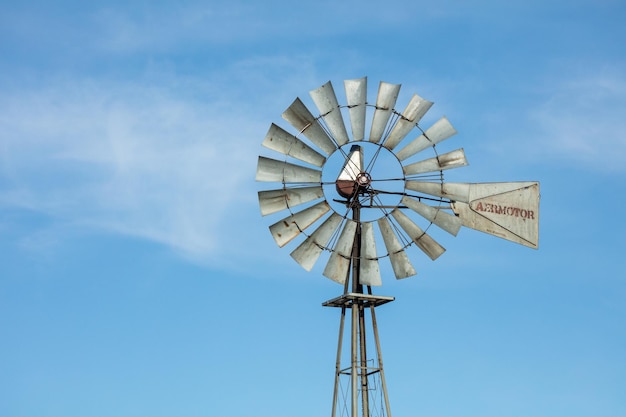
<point>370,371</point>
<point>346,300</point>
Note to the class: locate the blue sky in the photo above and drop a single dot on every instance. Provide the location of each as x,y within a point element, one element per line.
<point>138,278</point>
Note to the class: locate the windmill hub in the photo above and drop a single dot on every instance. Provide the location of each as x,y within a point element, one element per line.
<point>363,179</point>
<point>364,174</point>
<point>351,189</point>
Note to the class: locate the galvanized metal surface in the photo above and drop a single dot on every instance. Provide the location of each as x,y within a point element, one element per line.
<point>379,355</point>
<point>367,300</point>
<point>456,191</point>
<point>301,118</point>
<point>283,142</point>
<point>356,95</point>
<point>285,230</point>
<point>369,269</point>
<point>438,132</point>
<point>273,201</point>
<point>446,221</point>
<point>271,170</point>
<point>412,114</point>
<point>454,159</point>
<point>402,267</point>
<point>509,210</point>
<point>386,99</point>
<point>427,244</point>
<point>309,251</point>
<point>328,106</point>
<point>354,357</point>
<point>339,262</point>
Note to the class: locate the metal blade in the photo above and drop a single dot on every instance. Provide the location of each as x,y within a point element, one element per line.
<point>509,210</point>
<point>369,272</point>
<point>446,221</point>
<point>301,118</point>
<point>454,159</point>
<point>273,201</point>
<point>415,110</point>
<point>400,263</point>
<point>326,102</point>
<point>285,230</point>
<point>387,96</point>
<point>438,132</point>
<point>339,263</point>
<point>427,244</point>
<point>356,93</point>
<point>310,250</point>
<point>456,191</point>
<point>271,170</point>
<point>281,141</point>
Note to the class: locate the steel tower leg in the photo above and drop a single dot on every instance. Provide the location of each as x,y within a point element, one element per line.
<point>358,371</point>
<point>338,361</point>
<point>359,367</point>
<point>380,360</point>
<point>354,370</point>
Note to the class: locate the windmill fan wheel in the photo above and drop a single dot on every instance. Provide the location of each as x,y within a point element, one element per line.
<point>335,187</point>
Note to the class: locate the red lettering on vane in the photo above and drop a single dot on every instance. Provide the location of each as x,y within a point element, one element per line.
<point>504,210</point>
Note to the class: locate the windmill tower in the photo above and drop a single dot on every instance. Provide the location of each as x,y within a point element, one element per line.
<point>344,192</point>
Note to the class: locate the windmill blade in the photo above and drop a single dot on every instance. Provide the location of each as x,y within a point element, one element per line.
<point>273,201</point>
<point>509,210</point>
<point>456,191</point>
<point>446,221</point>
<point>326,102</point>
<point>402,267</point>
<point>301,118</point>
<point>307,253</point>
<point>454,159</point>
<point>387,96</point>
<point>279,140</point>
<point>356,93</point>
<point>369,272</point>
<point>339,261</point>
<point>271,170</point>
<point>412,114</point>
<point>427,244</point>
<point>285,230</point>
<point>438,132</point>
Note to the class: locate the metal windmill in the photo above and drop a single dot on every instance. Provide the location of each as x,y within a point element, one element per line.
<point>350,191</point>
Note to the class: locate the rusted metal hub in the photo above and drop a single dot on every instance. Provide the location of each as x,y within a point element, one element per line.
<point>348,188</point>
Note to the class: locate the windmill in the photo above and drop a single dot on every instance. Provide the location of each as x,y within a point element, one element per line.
<point>340,193</point>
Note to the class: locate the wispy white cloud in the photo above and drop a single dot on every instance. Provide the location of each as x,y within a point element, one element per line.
<point>565,120</point>
<point>200,24</point>
<point>147,28</point>
<point>153,162</point>
<point>582,120</point>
